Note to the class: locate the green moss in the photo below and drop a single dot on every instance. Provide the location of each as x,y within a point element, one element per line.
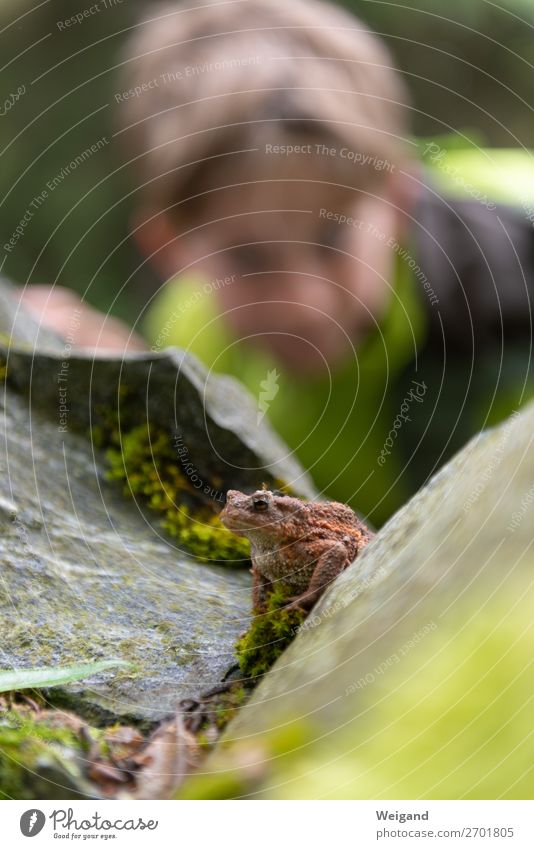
<point>144,460</point>
<point>204,535</point>
<point>229,704</point>
<point>269,634</point>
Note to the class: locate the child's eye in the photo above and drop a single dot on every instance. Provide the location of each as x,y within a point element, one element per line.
<point>250,258</point>
<point>329,237</point>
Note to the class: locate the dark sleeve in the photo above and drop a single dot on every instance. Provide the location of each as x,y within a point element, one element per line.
<point>480,263</point>
<point>476,363</point>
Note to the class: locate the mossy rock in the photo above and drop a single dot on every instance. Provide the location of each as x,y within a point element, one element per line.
<point>86,577</point>
<point>145,463</point>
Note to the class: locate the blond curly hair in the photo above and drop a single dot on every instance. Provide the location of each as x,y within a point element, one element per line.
<point>201,85</point>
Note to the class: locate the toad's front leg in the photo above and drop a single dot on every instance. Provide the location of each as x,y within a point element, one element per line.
<point>260,585</point>
<point>333,560</point>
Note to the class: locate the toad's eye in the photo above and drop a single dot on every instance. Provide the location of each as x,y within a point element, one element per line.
<point>260,504</point>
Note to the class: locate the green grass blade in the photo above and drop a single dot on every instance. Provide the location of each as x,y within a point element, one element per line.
<point>22,679</point>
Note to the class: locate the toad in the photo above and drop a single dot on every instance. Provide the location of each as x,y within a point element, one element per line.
<point>303,544</point>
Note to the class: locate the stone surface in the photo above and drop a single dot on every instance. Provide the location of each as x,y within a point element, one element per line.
<point>84,574</point>
<point>413,676</point>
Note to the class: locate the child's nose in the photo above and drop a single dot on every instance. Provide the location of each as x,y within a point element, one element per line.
<point>308,290</point>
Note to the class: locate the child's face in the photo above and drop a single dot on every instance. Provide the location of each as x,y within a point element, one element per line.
<point>309,265</point>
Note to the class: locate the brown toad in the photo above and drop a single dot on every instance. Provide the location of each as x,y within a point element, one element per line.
<point>303,544</point>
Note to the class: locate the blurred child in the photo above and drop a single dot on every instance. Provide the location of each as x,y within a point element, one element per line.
<point>262,164</point>
<point>304,250</point>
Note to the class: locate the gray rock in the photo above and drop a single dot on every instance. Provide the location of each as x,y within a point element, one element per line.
<point>85,576</point>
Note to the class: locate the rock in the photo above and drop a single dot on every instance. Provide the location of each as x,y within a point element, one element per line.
<point>84,576</point>
<point>87,574</point>
<point>413,675</point>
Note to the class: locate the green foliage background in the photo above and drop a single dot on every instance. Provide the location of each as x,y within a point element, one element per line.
<point>469,64</point>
